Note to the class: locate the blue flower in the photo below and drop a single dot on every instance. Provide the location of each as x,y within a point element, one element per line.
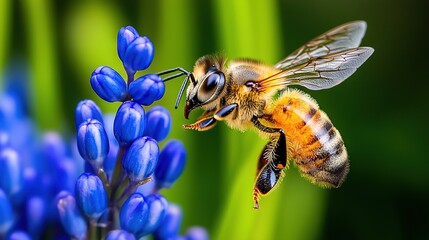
<point>147,89</point>
<point>134,213</point>
<point>91,195</point>
<point>108,84</point>
<point>125,36</point>
<point>87,109</point>
<point>7,218</point>
<point>92,142</point>
<point>170,226</point>
<point>197,233</point>
<point>119,235</point>
<point>36,215</point>
<point>158,121</point>
<point>157,210</point>
<point>70,216</point>
<point>11,175</point>
<point>140,159</point>
<point>129,123</point>
<point>138,55</point>
<point>171,163</point>
<point>19,235</point>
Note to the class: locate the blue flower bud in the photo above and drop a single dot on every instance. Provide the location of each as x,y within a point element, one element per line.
<point>158,123</point>
<point>129,123</point>
<point>125,36</point>
<point>92,143</point>
<point>157,210</point>
<point>4,139</point>
<point>147,89</point>
<point>119,235</point>
<point>6,214</point>
<point>140,159</point>
<point>197,233</point>
<point>134,213</point>
<point>11,175</point>
<point>171,163</point>
<point>36,214</point>
<point>53,147</point>
<point>139,54</point>
<point>16,84</point>
<point>71,218</point>
<point>170,226</point>
<point>87,109</point>
<point>19,235</point>
<point>67,171</point>
<point>91,195</point>
<point>108,84</point>
<point>10,111</point>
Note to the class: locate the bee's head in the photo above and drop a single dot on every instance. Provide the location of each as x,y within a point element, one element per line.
<point>208,85</point>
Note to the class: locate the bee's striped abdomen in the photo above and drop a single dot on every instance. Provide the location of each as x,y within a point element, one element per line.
<point>313,142</point>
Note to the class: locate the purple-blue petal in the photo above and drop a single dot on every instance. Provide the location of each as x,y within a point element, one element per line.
<point>108,84</point>
<point>134,213</point>
<point>139,54</point>
<point>91,195</point>
<point>157,210</point>
<point>171,164</point>
<point>11,174</point>
<point>87,109</point>
<point>147,89</point>
<point>129,123</point>
<point>7,218</point>
<point>197,233</point>
<point>158,123</point>
<point>125,36</point>
<point>119,234</point>
<point>92,143</point>
<point>170,226</point>
<point>71,218</point>
<point>140,159</point>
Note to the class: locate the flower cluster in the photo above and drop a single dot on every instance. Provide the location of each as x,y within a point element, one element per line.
<point>29,166</point>
<point>118,195</point>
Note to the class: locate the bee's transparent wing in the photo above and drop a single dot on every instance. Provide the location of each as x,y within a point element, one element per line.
<point>319,73</point>
<point>346,36</point>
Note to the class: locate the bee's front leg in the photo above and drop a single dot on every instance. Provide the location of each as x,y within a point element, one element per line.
<point>272,161</point>
<point>202,124</point>
<point>206,123</point>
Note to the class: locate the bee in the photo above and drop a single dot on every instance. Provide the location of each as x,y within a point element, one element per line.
<point>248,94</point>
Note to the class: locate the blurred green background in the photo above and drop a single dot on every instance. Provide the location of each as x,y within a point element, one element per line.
<point>381,111</point>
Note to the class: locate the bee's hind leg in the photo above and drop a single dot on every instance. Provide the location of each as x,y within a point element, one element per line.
<point>272,161</point>
<point>206,123</point>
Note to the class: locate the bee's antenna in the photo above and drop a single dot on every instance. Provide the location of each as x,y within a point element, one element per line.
<point>182,88</point>
<point>185,81</point>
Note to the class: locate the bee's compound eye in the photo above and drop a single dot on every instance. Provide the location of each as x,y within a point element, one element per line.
<point>211,87</point>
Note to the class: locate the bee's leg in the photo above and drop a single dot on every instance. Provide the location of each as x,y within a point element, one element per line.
<point>272,161</point>
<point>206,123</point>
<point>225,111</point>
<point>202,124</point>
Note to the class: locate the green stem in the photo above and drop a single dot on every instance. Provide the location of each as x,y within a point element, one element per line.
<point>117,177</point>
<point>92,231</point>
<point>102,175</point>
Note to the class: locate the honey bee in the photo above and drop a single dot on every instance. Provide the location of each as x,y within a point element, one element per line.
<point>248,94</point>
